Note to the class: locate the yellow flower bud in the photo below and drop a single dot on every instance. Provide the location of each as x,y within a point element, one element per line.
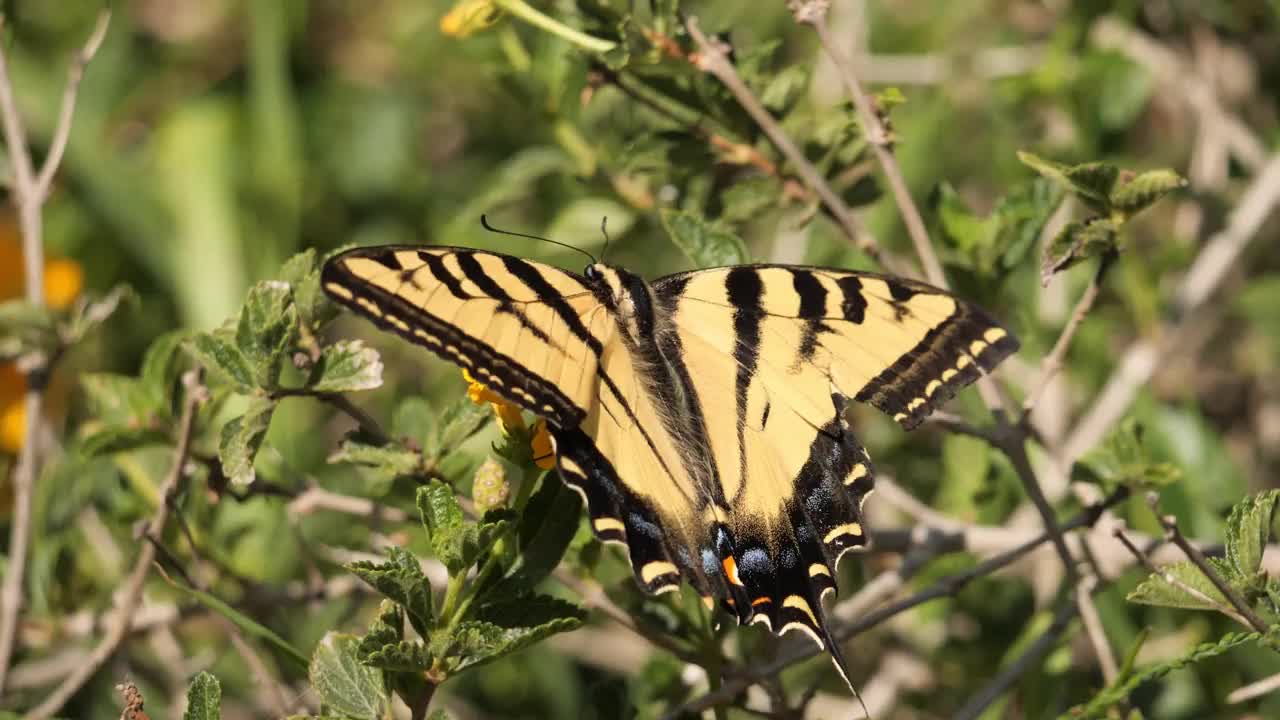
<point>469,17</point>
<point>544,451</point>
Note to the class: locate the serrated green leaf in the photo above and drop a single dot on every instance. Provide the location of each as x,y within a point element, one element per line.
<point>303,276</point>
<point>1076,242</point>
<point>268,327</point>
<point>703,242</point>
<point>1132,196</point>
<point>346,366</point>
<point>1248,529</point>
<point>217,352</point>
<point>401,656</point>
<point>1021,216</point>
<point>1122,460</point>
<point>1119,690</point>
<point>515,623</point>
<point>442,518</point>
<point>204,698</point>
<point>392,460</point>
<point>1091,182</point>
<point>1191,589</point>
<point>121,439</point>
<point>401,580</point>
<point>344,684</point>
<point>241,437</point>
<point>457,422</point>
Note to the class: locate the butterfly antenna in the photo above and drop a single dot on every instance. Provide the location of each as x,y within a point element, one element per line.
<point>484,222</point>
<point>837,659</point>
<point>604,230</point>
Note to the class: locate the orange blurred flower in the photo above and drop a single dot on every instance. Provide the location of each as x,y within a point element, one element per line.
<point>63,281</point>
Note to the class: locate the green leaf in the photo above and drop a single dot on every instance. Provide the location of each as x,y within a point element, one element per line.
<point>1122,460</point>
<point>241,438</point>
<point>25,328</point>
<point>389,461</point>
<point>550,520</point>
<point>1132,196</point>
<point>86,315</point>
<point>703,242</point>
<point>510,625</point>
<point>268,327</point>
<point>581,220</point>
<point>346,366</point>
<point>1076,242</point>
<point>400,656</point>
<point>247,624</point>
<point>747,198</point>
<point>1091,182</point>
<point>414,419</point>
<point>442,517</point>
<point>1248,529</point>
<point>121,439</point>
<point>204,698</point>
<point>217,352</point>
<point>402,581</point>
<point>160,367</point>
<point>345,685</point>
<point>784,88</point>
<point>303,276</point>
<point>457,423</point>
<point>1120,690</point>
<point>117,400</point>
<point>1192,590</point>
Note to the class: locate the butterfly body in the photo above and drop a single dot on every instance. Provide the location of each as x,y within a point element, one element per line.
<point>701,416</point>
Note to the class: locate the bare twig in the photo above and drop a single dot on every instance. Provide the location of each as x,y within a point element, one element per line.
<point>1052,363</point>
<point>132,586</point>
<point>814,13</point>
<point>1094,630</point>
<point>28,192</point>
<point>367,424</point>
<point>711,58</point>
<point>317,498</point>
<point>1255,689</point>
<point>1173,534</point>
<point>1034,653</point>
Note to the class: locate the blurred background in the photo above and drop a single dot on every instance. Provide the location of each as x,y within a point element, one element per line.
<point>214,139</point>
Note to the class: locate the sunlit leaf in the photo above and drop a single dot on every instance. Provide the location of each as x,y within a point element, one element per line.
<point>346,366</point>
<point>706,244</point>
<point>346,685</point>
<point>241,438</point>
<point>204,698</point>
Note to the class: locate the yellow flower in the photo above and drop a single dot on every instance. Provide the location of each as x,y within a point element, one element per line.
<point>510,420</point>
<point>509,417</point>
<point>544,452</point>
<point>13,413</point>
<point>469,17</point>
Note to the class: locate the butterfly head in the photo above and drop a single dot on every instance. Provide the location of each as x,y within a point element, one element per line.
<point>627,293</point>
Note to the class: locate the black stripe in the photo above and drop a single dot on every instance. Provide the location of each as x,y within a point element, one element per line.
<point>437,267</point>
<point>552,298</point>
<point>745,290</point>
<point>899,291</point>
<point>476,274</point>
<point>852,304</point>
<point>813,306</point>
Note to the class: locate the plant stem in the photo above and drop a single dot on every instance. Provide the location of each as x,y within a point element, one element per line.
<point>527,13</point>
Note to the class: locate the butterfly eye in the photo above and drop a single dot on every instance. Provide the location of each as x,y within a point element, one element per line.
<point>591,273</point>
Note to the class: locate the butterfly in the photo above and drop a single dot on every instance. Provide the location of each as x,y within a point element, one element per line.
<point>701,415</point>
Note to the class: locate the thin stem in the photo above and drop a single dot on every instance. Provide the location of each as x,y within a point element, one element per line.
<point>367,424</point>
<point>811,12</point>
<point>1169,578</point>
<point>1094,629</point>
<point>711,58</point>
<point>132,593</point>
<point>28,192</point>
<point>525,12</point>
<point>1052,363</point>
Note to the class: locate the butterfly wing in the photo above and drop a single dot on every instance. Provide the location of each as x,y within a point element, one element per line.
<point>540,338</point>
<point>778,351</point>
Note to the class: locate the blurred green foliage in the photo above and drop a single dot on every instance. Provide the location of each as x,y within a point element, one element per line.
<point>222,148</point>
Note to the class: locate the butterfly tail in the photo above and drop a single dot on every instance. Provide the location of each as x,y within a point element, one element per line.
<point>837,659</point>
